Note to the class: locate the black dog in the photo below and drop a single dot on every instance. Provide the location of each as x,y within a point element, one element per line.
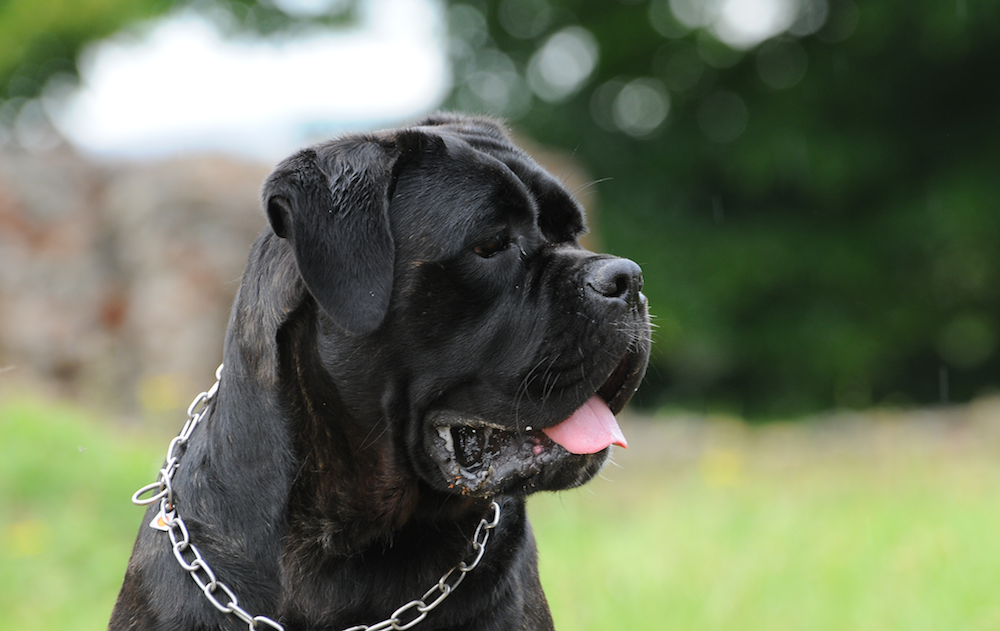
<point>417,335</point>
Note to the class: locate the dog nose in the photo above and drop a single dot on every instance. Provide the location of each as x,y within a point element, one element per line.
<point>617,279</point>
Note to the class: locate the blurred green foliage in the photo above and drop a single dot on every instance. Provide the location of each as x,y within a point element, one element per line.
<point>41,38</point>
<point>817,216</point>
<point>816,213</point>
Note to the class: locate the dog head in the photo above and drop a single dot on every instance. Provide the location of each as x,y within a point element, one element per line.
<point>462,322</point>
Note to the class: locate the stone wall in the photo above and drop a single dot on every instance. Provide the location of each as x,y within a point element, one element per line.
<point>116,280</point>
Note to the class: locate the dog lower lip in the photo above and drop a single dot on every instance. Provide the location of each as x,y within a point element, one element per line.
<point>470,444</point>
<point>475,445</point>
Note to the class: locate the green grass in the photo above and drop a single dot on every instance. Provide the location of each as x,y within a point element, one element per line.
<point>745,538</point>
<point>66,522</point>
<point>713,527</point>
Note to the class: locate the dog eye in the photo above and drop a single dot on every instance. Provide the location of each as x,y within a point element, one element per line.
<point>491,246</point>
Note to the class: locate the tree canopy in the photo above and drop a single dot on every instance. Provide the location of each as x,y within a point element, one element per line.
<point>817,215</point>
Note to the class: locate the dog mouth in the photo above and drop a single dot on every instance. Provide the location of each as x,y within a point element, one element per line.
<point>479,457</point>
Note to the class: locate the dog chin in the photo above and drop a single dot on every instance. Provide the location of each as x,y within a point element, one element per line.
<point>477,458</point>
<point>480,458</point>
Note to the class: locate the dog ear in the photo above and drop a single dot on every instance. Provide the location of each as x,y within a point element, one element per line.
<point>331,203</point>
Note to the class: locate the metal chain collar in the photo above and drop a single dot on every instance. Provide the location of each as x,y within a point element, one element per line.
<point>189,557</point>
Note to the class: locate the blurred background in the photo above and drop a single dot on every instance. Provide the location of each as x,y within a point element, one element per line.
<point>810,186</point>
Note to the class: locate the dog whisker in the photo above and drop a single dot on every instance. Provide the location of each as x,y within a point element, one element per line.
<point>587,185</point>
<point>522,390</point>
<point>365,443</point>
<point>550,381</point>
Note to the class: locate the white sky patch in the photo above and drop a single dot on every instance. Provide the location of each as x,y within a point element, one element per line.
<point>742,24</point>
<point>184,87</point>
<point>746,23</point>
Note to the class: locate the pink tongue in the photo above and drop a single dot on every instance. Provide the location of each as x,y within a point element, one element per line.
<point>589,430</point>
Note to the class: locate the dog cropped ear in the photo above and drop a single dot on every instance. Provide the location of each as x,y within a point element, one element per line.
<point>331,203</point>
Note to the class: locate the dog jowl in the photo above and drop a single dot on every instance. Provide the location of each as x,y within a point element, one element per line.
<point>418,333</point>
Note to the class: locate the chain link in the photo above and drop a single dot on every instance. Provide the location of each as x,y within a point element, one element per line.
<point>194,564</point>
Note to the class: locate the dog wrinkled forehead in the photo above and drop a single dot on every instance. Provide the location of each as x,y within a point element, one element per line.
<point>560,217</point>
<point>343,205</point>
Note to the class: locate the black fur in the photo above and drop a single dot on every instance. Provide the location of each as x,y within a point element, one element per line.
<point>408,279</point>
